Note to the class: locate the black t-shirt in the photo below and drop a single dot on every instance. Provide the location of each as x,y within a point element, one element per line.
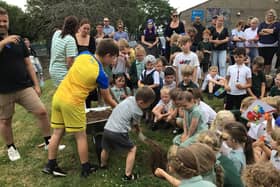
<point>150,36</point>
<point>91,46</point>
<point>179,30</point>
<point>220,36</point>
<point>205,46</point>
<point>257,80</point>
<point>13,72</point>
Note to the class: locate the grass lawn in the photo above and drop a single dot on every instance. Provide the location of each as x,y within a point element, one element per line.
<point>27,170</point>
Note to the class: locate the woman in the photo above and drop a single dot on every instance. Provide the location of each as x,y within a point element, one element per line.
<point>174,26</point>
<point>84,41</point>
<point>63,49</point>
<point>149,39</point>
<point>251,35</point>
<point>219,40</point>
<point>238,35</point>
<point>99,33</point>
<point>120,34</point>
<point>268,38</point>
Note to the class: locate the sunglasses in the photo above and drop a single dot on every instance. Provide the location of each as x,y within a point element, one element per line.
<point>174,16</point>
<point>106,20</point>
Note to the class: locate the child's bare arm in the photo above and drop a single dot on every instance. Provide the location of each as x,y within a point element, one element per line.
<point>157,110</point>
<point>227,88</point>
<point>193,126</point>
<point>194,74</point>
<point>172,180</point>
<point>249,90</point>
<point>263,89</point>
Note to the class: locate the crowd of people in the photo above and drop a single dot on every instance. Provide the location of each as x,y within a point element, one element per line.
<point>165,90</point>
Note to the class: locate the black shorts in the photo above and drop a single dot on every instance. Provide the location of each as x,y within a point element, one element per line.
<point>215,88</point>
<point>116,141</point>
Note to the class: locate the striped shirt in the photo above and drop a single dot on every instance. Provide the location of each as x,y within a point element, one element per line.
<point>61,49</point>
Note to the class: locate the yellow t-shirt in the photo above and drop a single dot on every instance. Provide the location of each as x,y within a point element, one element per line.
<point>84,76</point>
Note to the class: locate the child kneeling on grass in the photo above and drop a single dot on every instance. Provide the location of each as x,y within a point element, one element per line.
<point>115,136</point>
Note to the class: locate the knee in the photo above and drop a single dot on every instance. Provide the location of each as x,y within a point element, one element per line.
<point>133,149</point>
<point>6,122</point>
<point>42,112</point>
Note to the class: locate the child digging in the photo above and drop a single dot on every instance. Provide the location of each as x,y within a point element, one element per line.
<point>115,136</point>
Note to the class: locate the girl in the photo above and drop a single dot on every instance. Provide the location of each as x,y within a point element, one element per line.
<point>193,121</point>
<point>189,163</point>
<point>120,91</point>
<point>231,176</point>
<point>235,135</point>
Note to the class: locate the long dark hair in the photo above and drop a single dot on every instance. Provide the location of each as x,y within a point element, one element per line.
<point>70,26</point>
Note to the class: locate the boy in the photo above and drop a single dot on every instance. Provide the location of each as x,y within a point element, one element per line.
<point>169,78</point>
<point>163,110</point>
<point>187,74</point>
<point>186,57</point>
<point>258,79</point>
<point>68,110</point>
<point>206,47</point>
<point>115,134</point>
<point>213,81</point>
<point>238,80</point>
<point>275,90</point>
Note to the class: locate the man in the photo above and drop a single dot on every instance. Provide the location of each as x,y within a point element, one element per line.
<point>18,84</point>
<point>200,28</point>
<point>108,29</point>
<point>68,110</point>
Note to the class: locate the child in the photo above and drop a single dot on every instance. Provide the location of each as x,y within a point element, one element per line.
<point>209,113</point>
<point>275,143</point>
<point>238,80</point>
<point>115,134</point>
<point>150,77</point>
<point>187,74</point>
<point>169,78</point>
<point>235,135</point>
<point>231,175</point>
<point>258,79</point>
<point>159,69</point>
<point>137,66</point>
<point>206,47</point>
<point>68,108</point>
<point>261,174</point>
<point>193,122</point>
<point>186,57</point>
<point>213,81</point>
<point>174,46</point>
<point>189,163</point>
<point>120,91</point>
<point>122,63</point>
<point>275,90</point>
<point>163,109</point>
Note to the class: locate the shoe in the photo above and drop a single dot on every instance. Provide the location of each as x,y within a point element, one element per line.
<point>130,177</point>
<point>13,154</point>
<point>60,147</point>
<point>154,126</point>
<point>105,167</point>
<point>85,173</point>
<point>56,171</point>
<point>177,131</point>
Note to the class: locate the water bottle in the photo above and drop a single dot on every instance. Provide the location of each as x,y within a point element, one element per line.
<point>41,80</point>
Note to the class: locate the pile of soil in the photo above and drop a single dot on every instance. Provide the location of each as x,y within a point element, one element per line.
<point>98,115</point>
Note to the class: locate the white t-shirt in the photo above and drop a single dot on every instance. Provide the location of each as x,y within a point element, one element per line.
<point>155,75</point>
<point>183,58</point>
<point>251,34</point>
<point>170,86</point>
<point>238,74</point>
<point>275,159</point>
<point>208,78</point>
<point>166,106</point>
<point>258,130</point>
<point>207,111</point>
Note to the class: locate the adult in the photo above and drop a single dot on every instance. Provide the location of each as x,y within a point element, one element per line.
<point>174,26</point>
<point>251,36</point>
<point>248,24</point>
<point>268,38</point>
<point>63,49</point>
<point>212,27</point>
<point>238,35</point>
<point>99,32</point>
<point>199,28</point>
<point>85,42</point>
<point>18,84</point>
<point>108,29</point>
<point>120,33</point>
<point>68,112</point>
<point>219,40</point>
<point>149,38</point>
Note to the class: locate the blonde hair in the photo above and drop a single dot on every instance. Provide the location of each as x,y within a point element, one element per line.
<point>174,39</point>
<point>272,101</point>
<point>140,48</point>
<point>221,118</point>
<point>165,90</point>
<point>255,19</point>
<point>184,39</point>
<point>213,68</point>
<point>261,174</point>
<point>211,139</point>
<point>275,135</point>
<point>187,70</point>
<point>246,102</point>
<point>273,12</point>
<point>123,44</point>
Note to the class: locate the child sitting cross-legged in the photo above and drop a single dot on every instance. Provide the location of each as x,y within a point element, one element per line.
<point>169,78</point>
<point>126,115</point>
<point>120,91</point>
<point>163,110</point>
<point>213,81</point>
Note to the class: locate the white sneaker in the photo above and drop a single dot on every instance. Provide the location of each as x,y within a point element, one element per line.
<point>13,154</point>
<point>60,147</point>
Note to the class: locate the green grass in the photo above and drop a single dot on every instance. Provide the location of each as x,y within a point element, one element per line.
<point>27,170</point>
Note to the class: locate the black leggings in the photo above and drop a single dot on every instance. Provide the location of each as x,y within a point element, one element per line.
<point>267,53</point>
